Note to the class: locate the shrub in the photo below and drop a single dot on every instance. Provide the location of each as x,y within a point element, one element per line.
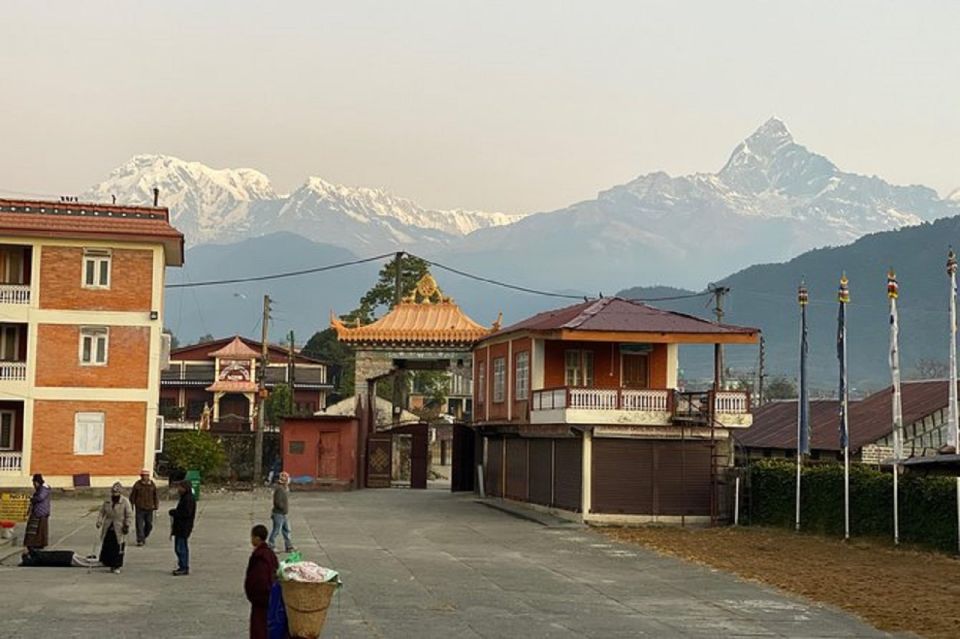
<point>928,513</point>
<point>196,450</point>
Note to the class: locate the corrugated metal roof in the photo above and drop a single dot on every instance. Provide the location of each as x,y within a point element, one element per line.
<point>775,424</point>
<point>616,314</point>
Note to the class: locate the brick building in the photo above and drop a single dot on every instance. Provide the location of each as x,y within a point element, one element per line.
<point>81,343</point>
<point>221,376</point>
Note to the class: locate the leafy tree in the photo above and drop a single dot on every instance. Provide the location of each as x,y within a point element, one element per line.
<point>434,385</point>
<point>174,342</point>
<point>205,338</point>
<point>196,450</point>
<point>277,405</point>
<point>780,388</point>
<point>325,346</point>
<point>930,369</point>
<point>383,293</point>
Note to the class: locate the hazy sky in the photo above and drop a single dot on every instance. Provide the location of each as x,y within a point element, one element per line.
<point>515,106</point>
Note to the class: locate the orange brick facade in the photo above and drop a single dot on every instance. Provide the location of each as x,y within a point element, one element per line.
<point>131,281</point>
<point>53,436</point>
<point>58,358</point>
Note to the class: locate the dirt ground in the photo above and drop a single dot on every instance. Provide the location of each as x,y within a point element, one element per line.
<point>896,590</point>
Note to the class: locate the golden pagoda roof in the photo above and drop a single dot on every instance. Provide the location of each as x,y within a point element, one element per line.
<point>425,316</point>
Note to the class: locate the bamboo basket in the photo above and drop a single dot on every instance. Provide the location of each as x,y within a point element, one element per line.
<point>307,605</point>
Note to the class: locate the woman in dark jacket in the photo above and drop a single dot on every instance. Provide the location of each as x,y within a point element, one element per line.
<point>183,516</point>
<point>36,536</point>
<point>261,573</point>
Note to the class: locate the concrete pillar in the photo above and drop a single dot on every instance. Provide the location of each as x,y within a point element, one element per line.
<point>586,480</point>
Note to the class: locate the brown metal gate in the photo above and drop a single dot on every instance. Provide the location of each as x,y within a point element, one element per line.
<point>493,471</point>
<point>540,485</point>
<point>379,460</point>
<point>643,477</point>
<point>516,487</point>
<point>568,473</point>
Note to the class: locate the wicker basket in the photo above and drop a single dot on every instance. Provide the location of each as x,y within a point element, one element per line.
<point>307,605</point>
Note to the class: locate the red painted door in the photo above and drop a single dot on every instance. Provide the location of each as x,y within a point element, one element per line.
<point>329,447</point>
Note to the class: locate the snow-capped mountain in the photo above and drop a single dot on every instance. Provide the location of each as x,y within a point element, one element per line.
<point>218,205</point>
<point>772,200</point>
<point>204,203</point>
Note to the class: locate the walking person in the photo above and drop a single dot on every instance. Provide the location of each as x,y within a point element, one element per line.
<point>37,533</point>
<point>280,512</point>
<point>183,516</point>
<point>143,495</point>
<point>114,519</point>
<point>261,573</point>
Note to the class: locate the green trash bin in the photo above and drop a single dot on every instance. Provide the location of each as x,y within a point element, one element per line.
<point>193,476</point>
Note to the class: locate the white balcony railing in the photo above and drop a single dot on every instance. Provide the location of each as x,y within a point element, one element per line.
<point>14,293</point>
<point>602,399</point>
<point>593,399</point>
<point>732,402</point>
<point>13,371</point>
<point>645,400</point>
<point>11,462</point>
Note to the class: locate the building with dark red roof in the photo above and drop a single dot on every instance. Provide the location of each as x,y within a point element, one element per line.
<point>580,411</point>
<point>924,405</point>
<point>81,342</point>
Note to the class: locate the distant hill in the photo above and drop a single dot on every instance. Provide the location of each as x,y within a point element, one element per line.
<point>765,296</point>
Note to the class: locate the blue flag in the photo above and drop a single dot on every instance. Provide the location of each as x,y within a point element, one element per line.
<point>842,357</point>
<point>803,432</point>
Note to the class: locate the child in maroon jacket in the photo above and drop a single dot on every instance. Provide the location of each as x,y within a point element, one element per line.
<point>261,573</point>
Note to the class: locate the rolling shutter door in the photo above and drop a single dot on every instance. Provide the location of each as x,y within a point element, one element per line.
<point>684,478</point>
<point>541,470</point>
<point>623,476</point>
<point>516,469</point>
<point>494,469</point>
<point>567,474</point>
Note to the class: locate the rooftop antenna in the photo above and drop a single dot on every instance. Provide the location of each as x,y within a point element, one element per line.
<point>114,196</point>
<point>156,197</point>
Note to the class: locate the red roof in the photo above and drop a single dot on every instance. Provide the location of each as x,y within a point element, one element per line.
<point>775,424</point>
<point>615,314</point>
<point>236,349</point>
<point>80,220</point>
<point>206,350</point>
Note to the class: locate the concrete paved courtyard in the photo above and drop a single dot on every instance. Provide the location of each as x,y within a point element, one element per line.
<point>415,564</point>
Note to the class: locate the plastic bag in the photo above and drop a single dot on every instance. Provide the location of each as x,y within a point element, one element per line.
<point>277,614</point>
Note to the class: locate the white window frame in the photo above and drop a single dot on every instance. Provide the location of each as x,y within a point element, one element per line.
<point>581,373</point>
<point>87,420</point>
<point>101,260</point>
<point>95,334</point>
<point>481,382</point>
<point>15,355</point>
<point>499,379</point>
<point>13,427</point>
<point>522,376</point>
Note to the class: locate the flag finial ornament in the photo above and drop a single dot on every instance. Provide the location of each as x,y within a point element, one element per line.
<point>843,294</point>
<point>893,288</point>
<point>951,262</point>
<point>802,296</point>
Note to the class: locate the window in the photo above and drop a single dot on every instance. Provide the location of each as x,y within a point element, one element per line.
<point>6,429</point>
<point>195,408</point>
<point>88,434</point>
<point>93,346</point>
<point>96,268</point>
<point>522,390</point>
<point>499,378</point>
<point>578,368</point>
<point>9,342</point>
<point>481,382</point>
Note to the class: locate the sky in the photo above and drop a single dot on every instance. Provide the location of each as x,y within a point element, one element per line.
<point>516,106</point>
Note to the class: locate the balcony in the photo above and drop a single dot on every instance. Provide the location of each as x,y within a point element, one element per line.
<point>14,293</point>
<point>648,407</point>
<point>13,371</point>
<point>11,462</point>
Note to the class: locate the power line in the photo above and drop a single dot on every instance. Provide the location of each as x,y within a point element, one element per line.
<point>276,276</point>
<point>515,287</point>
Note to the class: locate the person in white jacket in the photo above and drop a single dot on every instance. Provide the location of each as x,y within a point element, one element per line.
<point>114,520</point>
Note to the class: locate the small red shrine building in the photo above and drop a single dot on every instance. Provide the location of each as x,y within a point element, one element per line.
<point>579,411</point>
<point>214,384</point>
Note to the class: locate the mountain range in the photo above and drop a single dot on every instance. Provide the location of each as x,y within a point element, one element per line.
<point>771,200</point>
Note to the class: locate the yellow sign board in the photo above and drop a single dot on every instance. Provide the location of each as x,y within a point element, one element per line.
<point>14,507</point>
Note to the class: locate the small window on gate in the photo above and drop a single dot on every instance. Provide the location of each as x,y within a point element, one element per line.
<point>96,268</point>
<point>297,448</point>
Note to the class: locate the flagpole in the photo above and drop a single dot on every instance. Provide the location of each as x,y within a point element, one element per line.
<point>843,296</point>
<point>952,423</point>
<point>893,291</point>
<point>803,407</point>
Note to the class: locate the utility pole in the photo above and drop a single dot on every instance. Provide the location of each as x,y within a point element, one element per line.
<point>291,372</point>
<point>762,370</point>
<point>397,375</point>
<point>261,395</point>
<point>718,293</point>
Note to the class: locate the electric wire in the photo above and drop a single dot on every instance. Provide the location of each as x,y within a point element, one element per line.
<point>276,276</point>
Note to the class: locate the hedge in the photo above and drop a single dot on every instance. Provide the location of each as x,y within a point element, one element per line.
<point>928,505</point>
